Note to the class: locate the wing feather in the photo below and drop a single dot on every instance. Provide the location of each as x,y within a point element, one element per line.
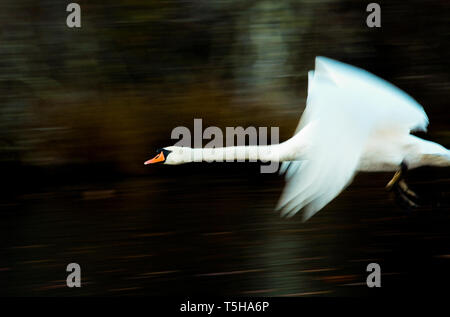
<point>346,104</point>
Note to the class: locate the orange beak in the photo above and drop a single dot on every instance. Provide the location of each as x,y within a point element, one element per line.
<point>158,158</point>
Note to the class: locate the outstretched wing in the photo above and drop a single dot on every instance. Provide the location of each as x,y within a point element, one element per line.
<point>345,105</point>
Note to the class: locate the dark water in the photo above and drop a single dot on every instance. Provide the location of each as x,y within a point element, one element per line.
<point>211,229</point>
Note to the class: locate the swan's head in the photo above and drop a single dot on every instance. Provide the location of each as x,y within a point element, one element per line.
<point>171,155</point>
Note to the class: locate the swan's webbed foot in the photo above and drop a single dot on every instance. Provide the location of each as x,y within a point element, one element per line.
<point>404,194</point>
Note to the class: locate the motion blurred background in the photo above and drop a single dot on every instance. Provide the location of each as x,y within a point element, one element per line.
<point>81,109</point>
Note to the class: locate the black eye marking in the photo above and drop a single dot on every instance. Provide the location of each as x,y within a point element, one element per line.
<point>164,152</point>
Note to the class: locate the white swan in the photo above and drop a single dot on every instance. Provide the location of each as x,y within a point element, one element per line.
<point>353,121</point>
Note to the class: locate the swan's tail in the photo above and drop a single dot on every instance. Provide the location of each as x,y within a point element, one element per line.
<point>438,159</point>
<point>431,154</point>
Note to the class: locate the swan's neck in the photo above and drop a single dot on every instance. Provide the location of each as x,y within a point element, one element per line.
<point>264,153</point>
<point>290,150</point>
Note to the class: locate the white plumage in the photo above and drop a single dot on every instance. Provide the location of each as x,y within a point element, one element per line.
<point>353,121</point>
<point>358,122</point>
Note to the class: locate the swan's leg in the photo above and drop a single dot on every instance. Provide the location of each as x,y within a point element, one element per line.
<point>394,180</point>
<point>397,176</point>
<point>402,191</point>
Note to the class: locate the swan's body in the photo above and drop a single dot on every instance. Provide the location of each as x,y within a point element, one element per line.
<point>353,121</point>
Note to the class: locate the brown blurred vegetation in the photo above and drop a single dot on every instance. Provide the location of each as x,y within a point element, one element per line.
<point>109,93</point>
